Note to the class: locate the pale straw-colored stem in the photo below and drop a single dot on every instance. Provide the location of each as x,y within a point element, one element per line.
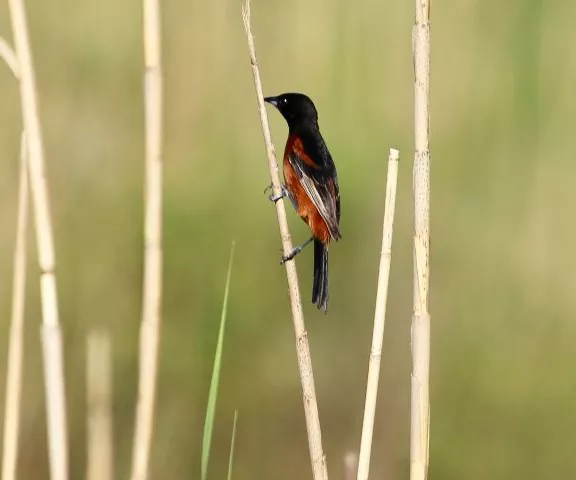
<point>51,332</point>
<point>15,358</point>
<point>318,460</point>
<point>99,397</point>
<point>152,291</point>
<point>379,318</point>
<point>9,56</point>
<point>420,401</point>
<point>350,465</point>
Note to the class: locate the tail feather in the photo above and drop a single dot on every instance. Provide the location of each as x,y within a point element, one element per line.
<point>320,286</point>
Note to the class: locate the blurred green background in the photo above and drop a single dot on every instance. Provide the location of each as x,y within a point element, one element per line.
<point>503,386</point>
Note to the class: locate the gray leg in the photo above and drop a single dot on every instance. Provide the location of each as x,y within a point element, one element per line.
<point>295,251</point>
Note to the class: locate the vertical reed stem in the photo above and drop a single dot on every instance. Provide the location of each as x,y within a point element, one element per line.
<point>51,331</point>
<point>99,395</point>
<point>152,291</point>
<point>420,402</point>
<point>15,358</point>
<point>379,318</point>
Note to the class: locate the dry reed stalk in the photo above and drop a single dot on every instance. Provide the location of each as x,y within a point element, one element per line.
<point>7,54</point>
<point>99,396</point>
<point>317,457</point>
<point>379,318</point>
<point>350,465</point>
<point>15,359</point>
<point>51,332</point>
<point>420,401</point>
<point>152,291</point>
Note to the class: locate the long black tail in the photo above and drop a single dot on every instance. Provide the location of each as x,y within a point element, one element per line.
<point>320,288</point>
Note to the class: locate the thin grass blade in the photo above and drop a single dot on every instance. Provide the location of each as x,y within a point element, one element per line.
<point>232,445</point>
<point>213,393</point>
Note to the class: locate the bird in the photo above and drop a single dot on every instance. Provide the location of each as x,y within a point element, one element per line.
<point>311,183</point>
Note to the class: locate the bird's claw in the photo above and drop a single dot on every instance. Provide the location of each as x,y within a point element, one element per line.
<point>295,251</point>
<point>274,198</point>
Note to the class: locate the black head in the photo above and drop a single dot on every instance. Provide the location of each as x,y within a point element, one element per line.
<point>294,107</point>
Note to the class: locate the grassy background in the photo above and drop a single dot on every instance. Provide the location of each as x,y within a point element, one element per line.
<point>503,387</point>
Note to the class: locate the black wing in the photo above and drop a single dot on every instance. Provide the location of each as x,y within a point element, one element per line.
<point>317,174</point>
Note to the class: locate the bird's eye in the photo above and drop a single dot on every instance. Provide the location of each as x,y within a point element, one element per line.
<point>284,100</point>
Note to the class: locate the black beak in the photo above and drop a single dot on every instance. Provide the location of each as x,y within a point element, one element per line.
<point>272,101</point>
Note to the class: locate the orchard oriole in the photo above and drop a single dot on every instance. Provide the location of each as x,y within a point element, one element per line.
<point>311,183</point>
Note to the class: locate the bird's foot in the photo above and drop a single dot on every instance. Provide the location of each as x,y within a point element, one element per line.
<point>295,251</point>
<point>274,198</point>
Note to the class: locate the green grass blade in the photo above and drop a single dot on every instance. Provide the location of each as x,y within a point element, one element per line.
<point>213,394</point>
<point>232,444</point>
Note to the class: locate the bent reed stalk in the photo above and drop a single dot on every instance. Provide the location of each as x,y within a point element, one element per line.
<point>317,457</point>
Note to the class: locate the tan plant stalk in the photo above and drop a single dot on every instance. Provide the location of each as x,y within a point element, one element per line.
<point>379,318</point>
<point>15,359</point>
<point>152,292</point>
<point>420,401</point>
<point>317,457</point>
<point>51,332</point>
<point>350,465</point>
<point>7,54</point>
<point>99,396</point>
